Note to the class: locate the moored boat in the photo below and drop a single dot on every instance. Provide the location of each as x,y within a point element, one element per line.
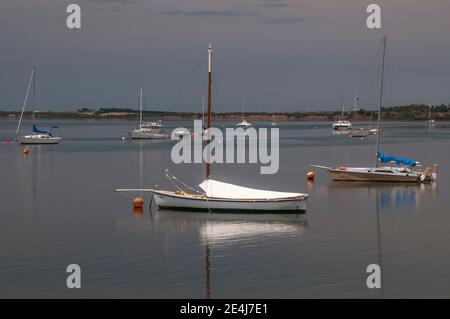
<point>217,196</point>
<point>147,130</point>
<point>37,136</point>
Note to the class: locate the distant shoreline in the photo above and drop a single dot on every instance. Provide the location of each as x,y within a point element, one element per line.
<point>415,112</point>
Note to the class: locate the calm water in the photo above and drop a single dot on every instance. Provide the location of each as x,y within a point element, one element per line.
<point>58,207</point>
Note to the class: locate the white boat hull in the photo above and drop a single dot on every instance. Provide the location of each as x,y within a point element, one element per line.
<point>24,139</point>
<point>183,201</point>
<point>358,133</point>
<point>153,134</point>
<point>369,175</point>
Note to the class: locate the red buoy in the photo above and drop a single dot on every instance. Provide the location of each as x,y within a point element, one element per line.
<point>25,151</point>
<point>138,205</point>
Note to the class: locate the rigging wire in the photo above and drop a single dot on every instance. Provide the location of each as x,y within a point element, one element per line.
<point>175,179</point>
<point>375,58</point>
<point>189,79</point>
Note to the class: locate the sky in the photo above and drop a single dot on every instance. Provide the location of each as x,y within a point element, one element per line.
<point>280,55</point>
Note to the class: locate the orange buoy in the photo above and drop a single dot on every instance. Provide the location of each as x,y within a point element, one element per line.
<point>310,176</point>
<point>138,204</point>
<point>25,151</point>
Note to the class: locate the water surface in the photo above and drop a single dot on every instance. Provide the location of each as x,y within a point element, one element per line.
<point>58,207</point>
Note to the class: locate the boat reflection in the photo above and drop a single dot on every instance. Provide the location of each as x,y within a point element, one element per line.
<point>216,231</point>
<point>225,233</point>
<point>390,198</point>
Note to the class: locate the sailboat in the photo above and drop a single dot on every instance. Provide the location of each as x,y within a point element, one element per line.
<point>358,131</point>
<point>147,130</point>
<point>430,120</point>
<point>405,171</point>
<point>37,136</point>
<point>217,196</point>
<point>243,123</point>
<point>274,124</point>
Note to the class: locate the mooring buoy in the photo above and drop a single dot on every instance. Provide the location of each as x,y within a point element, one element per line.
<point>310,176</point>
<point>138,205</point>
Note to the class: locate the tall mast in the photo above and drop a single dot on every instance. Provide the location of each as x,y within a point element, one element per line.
<point>381,101</point>
<point>25,101</point>
<point>140,106</point>
<point>429,110</point>
<point>34,91</point>
<point>208,169</point>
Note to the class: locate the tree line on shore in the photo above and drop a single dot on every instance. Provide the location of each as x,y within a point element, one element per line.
<point>413,112</point>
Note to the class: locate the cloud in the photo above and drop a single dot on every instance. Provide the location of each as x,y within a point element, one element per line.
<point>282,20</point>
<point>206,13</point>
<point>273,5</point>
<point>110,1</point>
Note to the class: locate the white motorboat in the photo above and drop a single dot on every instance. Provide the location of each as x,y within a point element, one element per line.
<point>181,132</point>
<point>37,136</point>
<point>342,125</point>
<point>218,196</point>
<point>243,124</point>
<point>147,130</point>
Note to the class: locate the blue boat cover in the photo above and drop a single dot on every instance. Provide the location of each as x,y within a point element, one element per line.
<point>384,158</point>
<point>36,130</point>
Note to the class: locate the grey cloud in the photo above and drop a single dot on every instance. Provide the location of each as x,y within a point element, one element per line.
<point>273,5</point>
<point>282,20</point>
<point>110,1</point>
<point>206,13</point>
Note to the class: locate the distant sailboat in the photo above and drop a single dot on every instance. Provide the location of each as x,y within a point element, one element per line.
<point>147,130</point>
<point>274,124</point>
<point>404,173</point>
<point>219,196</point>
<point>37,136</point>
<point>358,131</point>
<point>243,123</point>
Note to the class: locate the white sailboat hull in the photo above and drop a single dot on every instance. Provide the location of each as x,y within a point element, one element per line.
<point>372,175</point>
<point>35,139</point>
<point>183,201</point>
<point>148,134</point>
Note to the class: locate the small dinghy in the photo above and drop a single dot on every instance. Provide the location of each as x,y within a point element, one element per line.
<point>217,196</point>
<point>225,197</point>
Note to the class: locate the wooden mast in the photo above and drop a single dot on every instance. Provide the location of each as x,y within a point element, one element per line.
<point>208,168</point>
<point>381,102</point>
